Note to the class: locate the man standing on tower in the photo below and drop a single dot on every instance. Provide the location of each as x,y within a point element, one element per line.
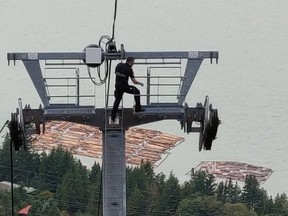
<point>123,71</point>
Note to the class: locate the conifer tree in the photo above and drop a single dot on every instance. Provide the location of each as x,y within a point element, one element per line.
<point>281,204</point>
<point>95,173</point>
<point>228,192</point>
<point>252,195</point>
<point>73,191</point>
<point>136,203</point>
<point>5,160</point>
<point>94,199</point>
<point>170,196</point>
<point>53,167</point>
<point>200,184</point>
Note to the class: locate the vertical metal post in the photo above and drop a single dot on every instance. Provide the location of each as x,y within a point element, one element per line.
<point>148,86</point>
<point>77,87</point>
<point>114,173</point>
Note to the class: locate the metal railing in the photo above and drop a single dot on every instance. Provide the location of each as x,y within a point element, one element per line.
<point>160,87</point>
<point>66,89</point>
<point>162,83</point>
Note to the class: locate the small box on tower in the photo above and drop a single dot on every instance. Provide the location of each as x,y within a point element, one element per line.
<point>93,55</point>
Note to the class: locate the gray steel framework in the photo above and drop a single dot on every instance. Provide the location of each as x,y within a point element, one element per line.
<point>114,177</point>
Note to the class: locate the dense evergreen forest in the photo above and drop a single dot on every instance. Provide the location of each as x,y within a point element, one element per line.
<point>65,187</point>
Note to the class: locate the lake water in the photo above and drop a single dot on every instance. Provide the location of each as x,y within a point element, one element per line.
<point>248,86</point>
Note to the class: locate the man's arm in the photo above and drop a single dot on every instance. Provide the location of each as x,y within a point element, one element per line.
<point>136,82</point>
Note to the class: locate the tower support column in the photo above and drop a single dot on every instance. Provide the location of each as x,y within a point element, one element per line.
<point>114,173</point>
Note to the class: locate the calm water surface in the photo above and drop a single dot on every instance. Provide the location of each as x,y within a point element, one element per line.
<point>248,86</point>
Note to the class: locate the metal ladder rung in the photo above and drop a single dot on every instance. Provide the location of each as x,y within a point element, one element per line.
<point>115,173</point>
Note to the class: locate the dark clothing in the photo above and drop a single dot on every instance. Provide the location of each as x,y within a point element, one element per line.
<point>123,71</point>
